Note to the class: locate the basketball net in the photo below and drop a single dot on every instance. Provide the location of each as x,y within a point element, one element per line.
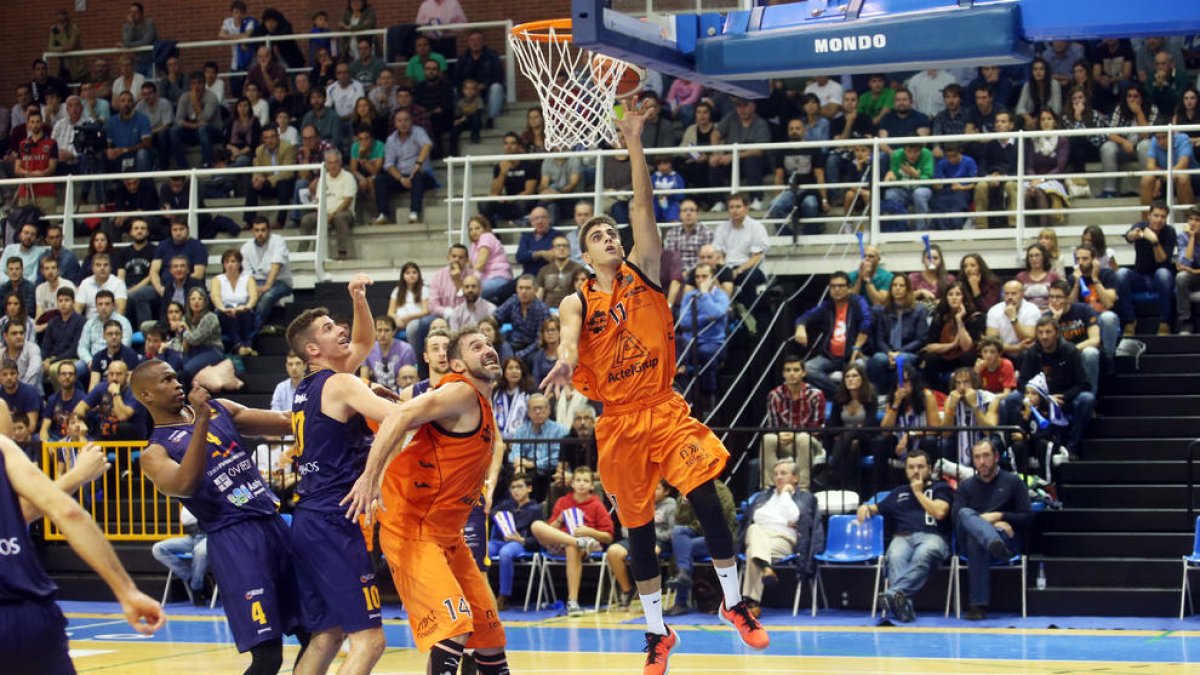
<point>578,110</point>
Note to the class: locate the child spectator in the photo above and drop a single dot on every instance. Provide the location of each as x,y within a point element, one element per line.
<point>996,373</point>
<point>470,114</point>
<point>666,206</point>
<point>576,542</point>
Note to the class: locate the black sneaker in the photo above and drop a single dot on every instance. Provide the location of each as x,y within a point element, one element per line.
<point>902,607</point>
<point>998,550</point>
<point>976,613</point>
<point>886,606</point>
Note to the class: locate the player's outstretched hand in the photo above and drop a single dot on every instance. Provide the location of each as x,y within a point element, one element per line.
<point>363,499</point>
<point>92,462</point>
<point>143,613</point>
<point>631,118</point>
<point>199,399</point>
<point>358,286</point>
<point>558,379</point>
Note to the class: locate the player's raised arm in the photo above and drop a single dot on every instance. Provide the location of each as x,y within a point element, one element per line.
<point>143,614</point>
<point>90,463</point>
<point>362,330</point>
<point>647,242</point>
<point>180,479</point>
<point>450,401</point>
<point>570,320</point>
<point>256,422</point>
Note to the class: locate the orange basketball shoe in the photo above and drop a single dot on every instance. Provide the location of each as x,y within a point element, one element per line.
<point>658,651</point>
<point>748,627</point>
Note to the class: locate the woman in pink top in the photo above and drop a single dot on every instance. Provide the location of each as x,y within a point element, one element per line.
<point>488,258</point>
<point>682,97</point>
<point>929,283</point>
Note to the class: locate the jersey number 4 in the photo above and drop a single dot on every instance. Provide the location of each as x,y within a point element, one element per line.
<point>257,614</point>
<point>298,431</point>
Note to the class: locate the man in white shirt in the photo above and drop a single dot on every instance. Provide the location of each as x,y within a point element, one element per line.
<point>744,242</point>
<point>829,92</point>
<point>27,250</point>
<point>340,192</point>
<point>265,258</point>
<point>1013,321</point>
<point>779,523</point>
<point>46,293</point>
<point>281,400</point>
<point>343,92</point>
<point>102,279</point>
<point>926,89</point>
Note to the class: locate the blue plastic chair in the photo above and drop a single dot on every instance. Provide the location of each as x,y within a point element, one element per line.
<point>544,560</point>
<point>957,561</point>
<point>171,575</point>
<point>849,544</point>
<point>1189,561</point>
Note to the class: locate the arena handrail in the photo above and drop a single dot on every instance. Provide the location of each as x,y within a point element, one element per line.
<point>466,165</point>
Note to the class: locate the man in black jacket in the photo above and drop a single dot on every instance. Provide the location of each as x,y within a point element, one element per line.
<point>839,327</point>
<point>1066,378</point>
<point>481,64</point>
<point>998,159</point>
<point>991,512</point>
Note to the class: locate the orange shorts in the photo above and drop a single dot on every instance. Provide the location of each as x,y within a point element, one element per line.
<point>662,441</point>
<point>444,593</point>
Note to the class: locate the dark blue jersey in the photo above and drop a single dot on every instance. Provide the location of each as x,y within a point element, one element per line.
<point>21,575</point>
<point>60,411</point>
<point>232,490</point>
<point>330,455</point>
<point>421,387</point>
<point>904,512</point>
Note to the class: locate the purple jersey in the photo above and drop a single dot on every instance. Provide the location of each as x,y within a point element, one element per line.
<point>330,455</point>
<point>21,575</point>
<point>232,490</point>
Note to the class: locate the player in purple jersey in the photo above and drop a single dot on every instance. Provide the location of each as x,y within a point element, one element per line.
<point>329,413</point>
<point>196,453</point>
<point>33,639</point>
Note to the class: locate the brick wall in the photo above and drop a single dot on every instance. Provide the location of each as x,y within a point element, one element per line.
<point>25,31</point>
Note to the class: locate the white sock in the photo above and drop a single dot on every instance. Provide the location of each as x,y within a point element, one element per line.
<point>652,608</point>
<point>729,584</point>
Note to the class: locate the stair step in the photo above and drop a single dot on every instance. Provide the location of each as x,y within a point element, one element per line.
<point>1157,384</point>
<point>1076,572</point>
<point>1145,427</point>
<point>1171,344</point>
<point>1120,405</point>
<point>1164,364</point>
<point>1173,448</point>
<point>1071,519</point>
<point>1120,496</point>
<point>1111,544</point>
<point>1103,601</point>
<point>1131,471</point>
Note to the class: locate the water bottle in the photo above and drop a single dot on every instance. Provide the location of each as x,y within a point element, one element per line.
<point>1041,577</point>
<point>845,600</point>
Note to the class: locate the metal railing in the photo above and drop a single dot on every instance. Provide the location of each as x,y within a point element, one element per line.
<point>71,214</point>
<point>463,203</point>
<point>510,72</point>
<point>124,503</point>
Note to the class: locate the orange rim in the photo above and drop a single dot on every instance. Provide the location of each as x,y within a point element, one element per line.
<point>538,31</point>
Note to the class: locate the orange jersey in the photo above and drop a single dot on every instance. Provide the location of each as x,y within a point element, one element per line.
<point>626,342</point>
<point>430,488</point>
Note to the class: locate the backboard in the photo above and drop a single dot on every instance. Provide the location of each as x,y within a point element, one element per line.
<point>737,48</point>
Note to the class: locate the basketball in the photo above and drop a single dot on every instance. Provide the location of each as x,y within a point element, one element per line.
<point>630,78</point>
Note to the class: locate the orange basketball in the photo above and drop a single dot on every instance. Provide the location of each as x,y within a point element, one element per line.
<point>630,77</point>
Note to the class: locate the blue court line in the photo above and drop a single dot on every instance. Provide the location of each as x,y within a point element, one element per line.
<point>829,642</point>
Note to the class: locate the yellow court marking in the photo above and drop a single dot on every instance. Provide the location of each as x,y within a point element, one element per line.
<point>162,659</point>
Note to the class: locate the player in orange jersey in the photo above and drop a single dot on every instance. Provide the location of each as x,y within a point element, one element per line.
<point>618,343</point>
<point>427,494</point>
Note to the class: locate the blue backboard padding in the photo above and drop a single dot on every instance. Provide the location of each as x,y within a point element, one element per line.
<point>1096,19</point>
<point>989,34</point>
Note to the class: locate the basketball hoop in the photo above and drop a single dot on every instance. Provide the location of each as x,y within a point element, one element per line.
<point>578,90</point>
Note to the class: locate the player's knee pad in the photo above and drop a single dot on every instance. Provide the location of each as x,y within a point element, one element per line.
<point>266,658</point>
<point>445,656</point>
<point>707,505</point>
<point>641,552</point>
<point>492,664</point>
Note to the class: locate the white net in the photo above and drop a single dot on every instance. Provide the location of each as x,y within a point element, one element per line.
<point>577,103</point>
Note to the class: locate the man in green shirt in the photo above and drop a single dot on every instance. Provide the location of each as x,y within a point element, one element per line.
<point>912,162</point>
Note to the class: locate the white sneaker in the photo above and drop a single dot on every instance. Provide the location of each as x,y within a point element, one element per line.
<point>719,207</point>
<point>756,205</point>
<point>587,544</point>
<point>573,608</point>
<point>413,217</point>
<point>380,219</point>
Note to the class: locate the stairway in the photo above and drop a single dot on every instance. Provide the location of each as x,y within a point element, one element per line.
<point>1114,549</point>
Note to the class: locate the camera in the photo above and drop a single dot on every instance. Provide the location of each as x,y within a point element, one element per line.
<point>90,138</point>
